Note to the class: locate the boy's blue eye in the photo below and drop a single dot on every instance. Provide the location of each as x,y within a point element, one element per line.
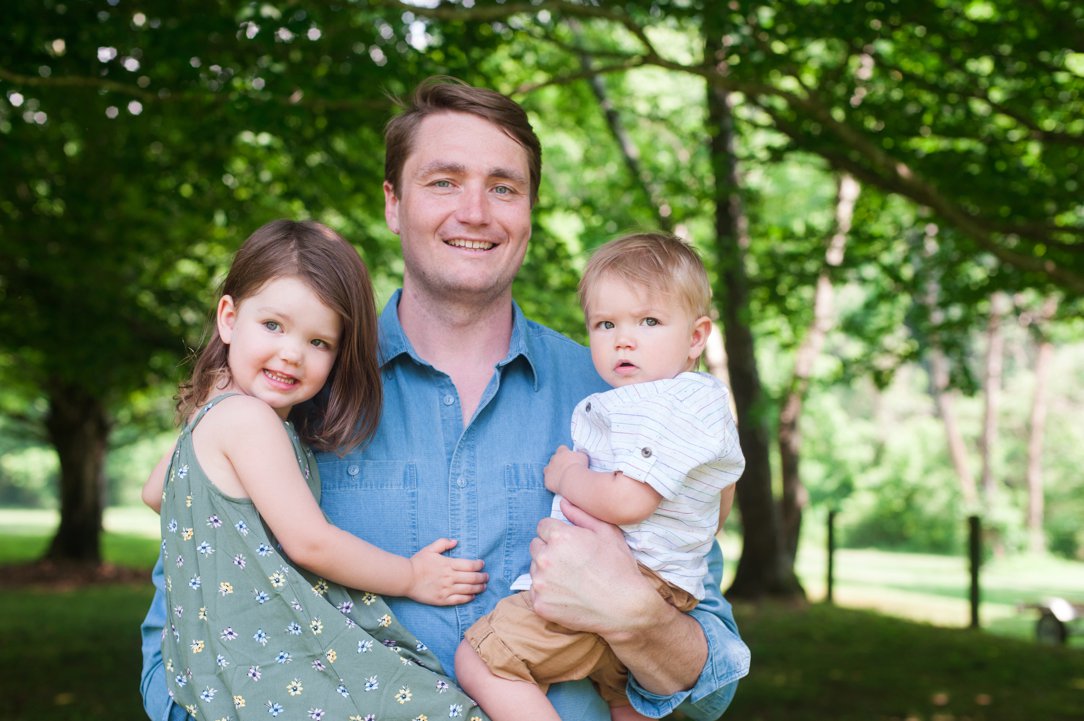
<point>606,325</point>
<point>271,324</point>
<point>651,321</point>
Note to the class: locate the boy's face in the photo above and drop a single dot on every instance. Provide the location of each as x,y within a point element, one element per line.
<point>638,336</point>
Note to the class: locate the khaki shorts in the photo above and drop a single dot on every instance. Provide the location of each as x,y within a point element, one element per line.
<point>518,644</point>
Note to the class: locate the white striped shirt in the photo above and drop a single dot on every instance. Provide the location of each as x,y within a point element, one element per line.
<point>678,436</point>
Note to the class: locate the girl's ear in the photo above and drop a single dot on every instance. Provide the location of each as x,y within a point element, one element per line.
<point>699,340</point>
<point>226,318</point>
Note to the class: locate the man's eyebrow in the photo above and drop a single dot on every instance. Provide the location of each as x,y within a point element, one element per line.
<point>437,167</point>
<point>441,166</point>
<point>508,174</point>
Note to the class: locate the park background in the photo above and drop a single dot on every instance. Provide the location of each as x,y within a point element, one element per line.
<point>888,197</point>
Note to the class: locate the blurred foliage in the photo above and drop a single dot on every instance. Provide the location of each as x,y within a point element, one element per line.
<point>141,144</point>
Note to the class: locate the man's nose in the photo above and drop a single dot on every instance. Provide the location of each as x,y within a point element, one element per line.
<point>473,205</point>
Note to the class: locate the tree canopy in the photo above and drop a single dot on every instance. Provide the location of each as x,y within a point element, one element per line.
<point>142,143</point>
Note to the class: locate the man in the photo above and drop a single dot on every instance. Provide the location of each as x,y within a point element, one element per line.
<point>476,399</point>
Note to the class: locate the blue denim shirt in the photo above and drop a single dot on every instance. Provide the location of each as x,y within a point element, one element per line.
<point>424,476</point>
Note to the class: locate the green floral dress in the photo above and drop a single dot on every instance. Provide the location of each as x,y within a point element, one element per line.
<point>252,636</point>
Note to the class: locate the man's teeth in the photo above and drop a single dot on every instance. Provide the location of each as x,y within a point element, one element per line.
<point>470,244</point>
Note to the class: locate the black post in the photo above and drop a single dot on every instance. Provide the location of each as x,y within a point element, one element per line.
<point>831,554</point>
<point>974,526</point>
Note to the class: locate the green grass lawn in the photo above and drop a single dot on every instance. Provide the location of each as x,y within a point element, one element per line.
<point>75,654</point>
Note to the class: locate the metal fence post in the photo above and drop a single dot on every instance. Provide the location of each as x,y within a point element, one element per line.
<point>831,555</point>
<point>974,526</point>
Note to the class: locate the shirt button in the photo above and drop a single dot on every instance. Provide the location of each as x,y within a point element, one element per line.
<point>645,452</point>
<point>449,399</point>
<point>587,408</point>
<point>353,469</point>
<point>461,482</point>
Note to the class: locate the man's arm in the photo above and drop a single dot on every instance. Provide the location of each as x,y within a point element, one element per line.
<point>574,571</point>
<point>152,684</point>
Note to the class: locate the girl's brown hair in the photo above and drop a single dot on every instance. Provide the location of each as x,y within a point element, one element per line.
<point>345,413</point>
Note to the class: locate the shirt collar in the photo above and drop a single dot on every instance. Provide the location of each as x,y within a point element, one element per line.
<point>394,342</point>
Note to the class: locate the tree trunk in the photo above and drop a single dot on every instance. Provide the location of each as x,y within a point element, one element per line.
<point>1036,429</point>
<point>629,152</point>
<point>79,430</point>
<point>945,399</point>
<point>940,386</point>
<point>992,380</point>
<point>764,568</point>
<point>995,354</point>
<point>794,495</point>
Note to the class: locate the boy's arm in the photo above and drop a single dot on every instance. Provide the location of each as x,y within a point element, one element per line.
<point>726,502</point>
<point>611,497</point>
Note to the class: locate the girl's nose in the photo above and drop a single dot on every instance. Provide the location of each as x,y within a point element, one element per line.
<point>290,353</point>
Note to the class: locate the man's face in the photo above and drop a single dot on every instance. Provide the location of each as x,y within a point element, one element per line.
<point>464,209</point>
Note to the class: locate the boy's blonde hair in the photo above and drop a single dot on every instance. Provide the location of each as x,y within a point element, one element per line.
<point>658,262</point>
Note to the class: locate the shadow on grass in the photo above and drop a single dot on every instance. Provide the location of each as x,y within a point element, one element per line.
<point>75,654</point>
<point>823,662</point>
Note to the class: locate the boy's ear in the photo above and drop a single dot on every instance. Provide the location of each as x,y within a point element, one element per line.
<point>226,318</point>
<point>699,340</point>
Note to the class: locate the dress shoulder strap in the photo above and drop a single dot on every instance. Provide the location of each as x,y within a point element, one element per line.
<point>205,408</point>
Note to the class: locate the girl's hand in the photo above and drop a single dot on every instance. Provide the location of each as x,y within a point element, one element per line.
<point>443,581</point>
<point>562,460</point>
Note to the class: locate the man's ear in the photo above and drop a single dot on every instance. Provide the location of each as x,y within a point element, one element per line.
<point>699,340</point>
<point>226,318</point>
<point>391,208</point>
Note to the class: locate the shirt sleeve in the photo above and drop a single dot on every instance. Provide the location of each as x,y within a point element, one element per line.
<point>152,684</point>
<point>660,440</point>
<point>727,662</point>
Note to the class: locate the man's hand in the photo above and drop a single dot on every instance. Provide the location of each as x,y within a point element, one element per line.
<point>584,577</point>
<point>556,470</point>
<point>443,581</point>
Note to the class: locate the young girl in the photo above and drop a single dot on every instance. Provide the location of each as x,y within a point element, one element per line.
<point>259,624</point>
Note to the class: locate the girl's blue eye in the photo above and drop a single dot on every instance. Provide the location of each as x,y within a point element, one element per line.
<point>271,324</point>
<point>606,325</point>
<point>650,321</point>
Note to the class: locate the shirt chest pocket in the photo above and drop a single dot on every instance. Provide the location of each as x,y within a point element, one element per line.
<point>528,503</point>
<point>374,499</point>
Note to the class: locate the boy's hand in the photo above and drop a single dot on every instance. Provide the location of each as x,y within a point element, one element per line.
<point>561,461</point>
<point>440,580</point>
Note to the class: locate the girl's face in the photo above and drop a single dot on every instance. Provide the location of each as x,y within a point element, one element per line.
<point>282,342</point>
<point>637,336</point>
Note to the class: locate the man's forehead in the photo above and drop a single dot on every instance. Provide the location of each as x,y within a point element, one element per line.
<point>462,138</point>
